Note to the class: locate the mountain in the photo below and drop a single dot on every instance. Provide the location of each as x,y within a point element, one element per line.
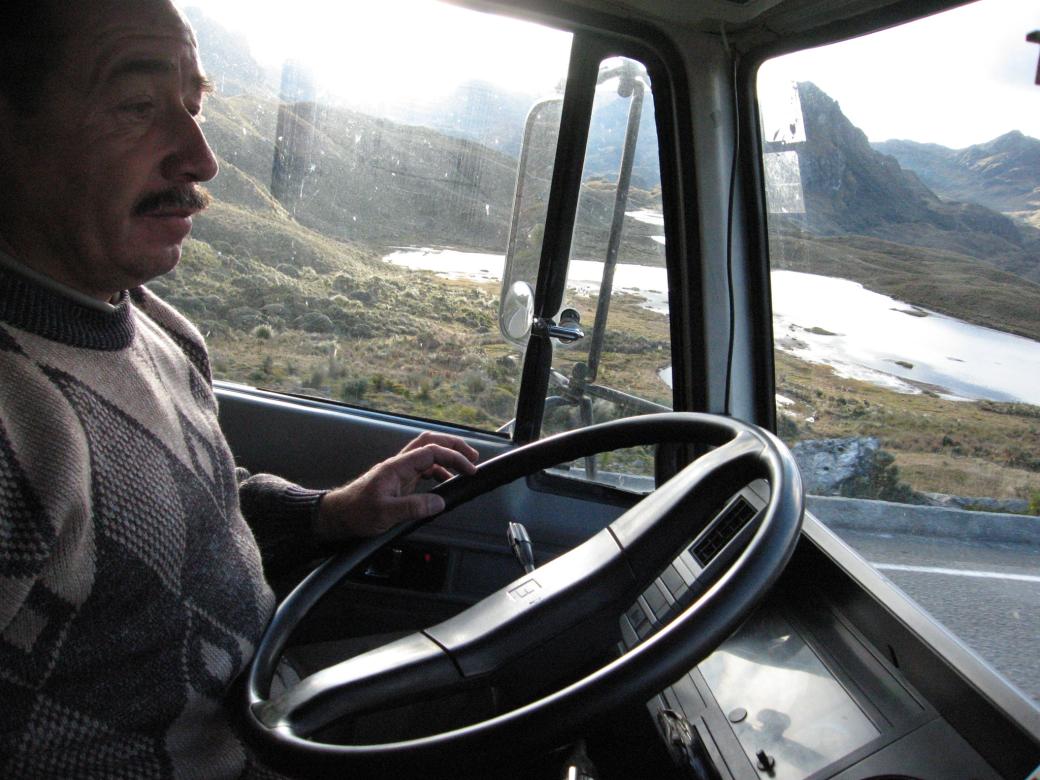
<point>851,188</point>
<point>227,60</point>
<point>449,167</point>
<point>1001,174</point>
<point>353,176</point>
<point>476,110</point>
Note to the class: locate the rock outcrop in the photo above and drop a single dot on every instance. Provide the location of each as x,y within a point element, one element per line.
<point>828,465</point>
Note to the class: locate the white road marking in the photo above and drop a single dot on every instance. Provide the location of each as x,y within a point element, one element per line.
<point>986,575</point>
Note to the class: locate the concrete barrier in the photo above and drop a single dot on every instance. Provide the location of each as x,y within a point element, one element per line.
<point>855,514</point>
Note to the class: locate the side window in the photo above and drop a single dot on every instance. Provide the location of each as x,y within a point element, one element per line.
<point>905,252</point>
<point>355,247</point>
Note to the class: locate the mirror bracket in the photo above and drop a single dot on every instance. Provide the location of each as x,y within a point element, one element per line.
<point>567,331</point>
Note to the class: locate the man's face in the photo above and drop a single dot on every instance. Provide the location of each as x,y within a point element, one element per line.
<point>101,181</point>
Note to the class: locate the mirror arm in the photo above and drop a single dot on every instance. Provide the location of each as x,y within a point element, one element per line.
<point>606,287</point>
<point>567,331</point>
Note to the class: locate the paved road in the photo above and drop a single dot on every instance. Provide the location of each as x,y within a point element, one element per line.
<point>987,594</point>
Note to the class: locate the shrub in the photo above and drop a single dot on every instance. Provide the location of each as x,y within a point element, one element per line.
<point>474,382</point>
<point>354,389</point>
<point>787,428</point>
<point>881,482</point>
<point>316,379</point>
<point>315,322</point>
<point>1034,503</point>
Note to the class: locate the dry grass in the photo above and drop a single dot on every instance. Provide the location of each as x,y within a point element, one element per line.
<point>965,476</point>
<point>941,446</point>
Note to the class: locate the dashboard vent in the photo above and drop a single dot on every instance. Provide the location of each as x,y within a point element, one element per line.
<point>726,526</point>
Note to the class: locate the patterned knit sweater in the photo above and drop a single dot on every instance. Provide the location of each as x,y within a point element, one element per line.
<point>131,587</point>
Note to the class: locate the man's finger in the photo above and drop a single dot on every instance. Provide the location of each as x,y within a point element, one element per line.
<point>444,440</point>
<point>431,456</point>
<point>438,473</point>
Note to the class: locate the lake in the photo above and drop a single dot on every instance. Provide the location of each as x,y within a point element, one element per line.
<point>836,322</point>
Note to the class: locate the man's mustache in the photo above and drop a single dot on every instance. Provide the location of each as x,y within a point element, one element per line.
<point>193,198</point>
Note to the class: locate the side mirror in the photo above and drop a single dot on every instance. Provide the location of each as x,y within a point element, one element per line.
<point>516,314</point>
<point>530,201</point>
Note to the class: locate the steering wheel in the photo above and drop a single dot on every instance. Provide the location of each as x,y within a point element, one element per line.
<point>601,577</point>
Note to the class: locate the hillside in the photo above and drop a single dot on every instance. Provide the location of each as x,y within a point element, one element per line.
<point>945,282</point>
<point>1001,174</point>
<point>849,188</point>
<point>227,60</point>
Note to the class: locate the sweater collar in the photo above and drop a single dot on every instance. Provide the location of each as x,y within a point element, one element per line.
<point>50,310</point>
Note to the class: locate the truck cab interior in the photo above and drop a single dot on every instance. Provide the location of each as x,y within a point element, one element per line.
<point>739,300</point>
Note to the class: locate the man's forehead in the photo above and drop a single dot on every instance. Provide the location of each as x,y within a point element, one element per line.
<point>116,37</point>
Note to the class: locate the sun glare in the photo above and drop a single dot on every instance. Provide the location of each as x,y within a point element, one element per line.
<point>360,51</point>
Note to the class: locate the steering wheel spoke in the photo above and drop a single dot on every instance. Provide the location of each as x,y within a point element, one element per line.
<point>653,531</point>
<point>412,667</point>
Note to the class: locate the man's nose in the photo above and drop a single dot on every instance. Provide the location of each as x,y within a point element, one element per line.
<point>190,158</point>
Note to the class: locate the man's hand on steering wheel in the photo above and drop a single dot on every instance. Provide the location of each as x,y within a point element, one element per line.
<point>385,495</point>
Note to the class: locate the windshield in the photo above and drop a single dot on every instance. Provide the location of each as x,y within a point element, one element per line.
<point>354,248</point>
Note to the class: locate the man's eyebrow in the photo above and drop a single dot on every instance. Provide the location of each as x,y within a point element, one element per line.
<point>149,66</point>
<point>140,66</point>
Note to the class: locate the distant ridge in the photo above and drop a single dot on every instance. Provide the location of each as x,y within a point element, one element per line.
<point>1001,174</point>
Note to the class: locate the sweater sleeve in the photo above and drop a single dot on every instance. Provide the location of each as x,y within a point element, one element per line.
<point>282,516</point>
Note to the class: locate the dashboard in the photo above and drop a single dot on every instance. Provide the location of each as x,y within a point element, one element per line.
<point>797,692</point>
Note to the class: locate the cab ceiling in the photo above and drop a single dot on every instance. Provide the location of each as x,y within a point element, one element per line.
<point>749,23</point>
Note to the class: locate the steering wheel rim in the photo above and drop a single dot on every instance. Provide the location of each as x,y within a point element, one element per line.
<point>742,454</point>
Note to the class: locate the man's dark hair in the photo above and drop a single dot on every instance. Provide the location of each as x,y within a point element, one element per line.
<point>30,44</point>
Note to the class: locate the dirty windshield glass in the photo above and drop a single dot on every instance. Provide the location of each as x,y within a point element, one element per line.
<point>368,156</point>
<point>903,172</point>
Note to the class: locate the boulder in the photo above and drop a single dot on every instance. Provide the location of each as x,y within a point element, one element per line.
<point>831,466</point>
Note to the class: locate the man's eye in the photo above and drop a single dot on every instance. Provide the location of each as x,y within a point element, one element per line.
<point>138,108</point>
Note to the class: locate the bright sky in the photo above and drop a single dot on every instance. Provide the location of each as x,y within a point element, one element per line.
<point>435,45</point>
<point>957,79</point>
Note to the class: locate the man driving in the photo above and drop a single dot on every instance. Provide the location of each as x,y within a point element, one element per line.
<point>131,587</point>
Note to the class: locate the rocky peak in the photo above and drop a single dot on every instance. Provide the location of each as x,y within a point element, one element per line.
<point>852,187</point>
